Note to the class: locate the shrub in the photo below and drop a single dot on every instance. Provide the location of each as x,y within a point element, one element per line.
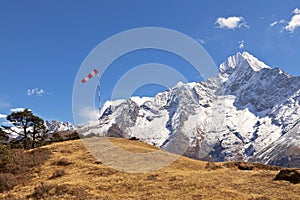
<point>47,191</point>
<point>5,157</point>
<point>58,173</point>
<point>73,136</point>
<point>17,166</point>
<point>134,138</point>
<point>62,162</point>
<point>7,181</point>
<point>16,144</point>
<point>212,166</point>
<point>245,166</point>
<point>56,137</point>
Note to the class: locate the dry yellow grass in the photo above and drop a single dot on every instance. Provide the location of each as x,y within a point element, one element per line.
<point>72,172</point>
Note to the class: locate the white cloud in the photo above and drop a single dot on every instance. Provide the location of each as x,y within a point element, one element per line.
<point>295,21</point>
<point>17,109</point>
<point>274,23</point>
<point>88,114</point>
<point>296,11</point>
<point>231,22</point>
<point>37,91</point>
<point>281,21</point>
<point>30,92</point>
<point>2,116</point>
<point>40,92</point>
<point>277,22</point>
<point>241,44</point>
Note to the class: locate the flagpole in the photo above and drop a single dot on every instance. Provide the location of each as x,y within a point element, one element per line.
<point>99,102</point>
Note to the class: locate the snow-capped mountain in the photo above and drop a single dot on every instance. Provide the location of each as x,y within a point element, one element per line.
<point>247,112</point>
<point>51,127</point>
<point>56,126</point>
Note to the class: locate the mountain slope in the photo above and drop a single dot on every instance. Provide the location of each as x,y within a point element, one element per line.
<point>72,173</point>
<point>283,152</point>
<point>233,116</point>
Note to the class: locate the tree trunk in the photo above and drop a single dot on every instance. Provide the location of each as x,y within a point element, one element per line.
<point>25,138</point>
<point>33,140</point>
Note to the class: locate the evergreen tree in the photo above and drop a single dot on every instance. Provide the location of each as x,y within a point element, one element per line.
<point>38,132</point>
<point>32,127</point>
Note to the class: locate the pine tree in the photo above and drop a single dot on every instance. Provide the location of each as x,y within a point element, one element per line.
<point>32,127</point>
<point>38,131</point>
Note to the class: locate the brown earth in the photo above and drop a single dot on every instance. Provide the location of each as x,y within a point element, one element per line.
<point>71,172</point>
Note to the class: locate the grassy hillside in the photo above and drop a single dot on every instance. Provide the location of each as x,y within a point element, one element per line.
<point>71,172</point>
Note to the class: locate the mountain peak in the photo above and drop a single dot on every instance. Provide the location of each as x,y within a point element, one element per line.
<point>254,63</point>
<point>241,61</point>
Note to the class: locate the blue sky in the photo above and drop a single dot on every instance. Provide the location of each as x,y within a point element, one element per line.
<point>43,43</point>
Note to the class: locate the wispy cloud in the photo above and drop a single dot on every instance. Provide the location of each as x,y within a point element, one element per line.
<point>2,116</point>
<point>17,109</point>
<point>35,91</point>
<point>231,22</point>
<point>201,41</point>
<point>294,22</point>
<point>277,22</point>
<point>274,23</point>
<point>241,44</point>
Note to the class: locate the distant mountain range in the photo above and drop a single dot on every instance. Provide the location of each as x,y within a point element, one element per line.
<point>247,112</point>
<point>52,127</point>
<point>56,126</point>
